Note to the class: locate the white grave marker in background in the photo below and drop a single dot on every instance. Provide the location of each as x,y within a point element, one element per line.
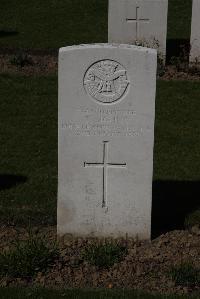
<point>106,137</point>
<point>139,21</point>
<point>195,33</point>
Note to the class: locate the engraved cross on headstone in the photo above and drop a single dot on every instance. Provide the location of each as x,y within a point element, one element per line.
<point>105,165</point>
<point>137,21</point>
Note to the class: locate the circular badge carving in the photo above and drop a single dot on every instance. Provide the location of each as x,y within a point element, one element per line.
<point>106,81</point>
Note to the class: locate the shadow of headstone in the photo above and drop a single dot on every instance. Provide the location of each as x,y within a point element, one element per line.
<point>172,202</point>
<point>6,33</point>
<point>177,48</point>
<point>8,181</point>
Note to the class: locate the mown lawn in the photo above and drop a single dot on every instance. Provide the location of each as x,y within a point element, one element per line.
<point>28,165</point>
<point>53,24</point>
<point>28,131</point>
<point>9,293</point>
<point>179,19</point>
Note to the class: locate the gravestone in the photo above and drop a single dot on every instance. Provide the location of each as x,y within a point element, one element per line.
<point>106,137</point>
<point>195,33</point>
<point>141,22</point>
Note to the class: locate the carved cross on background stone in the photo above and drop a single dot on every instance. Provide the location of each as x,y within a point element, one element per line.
<point>137,21</point>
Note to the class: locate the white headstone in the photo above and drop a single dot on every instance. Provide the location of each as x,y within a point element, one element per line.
<point>142,22</point>
<point>195,33</point>
<point>106,137</point>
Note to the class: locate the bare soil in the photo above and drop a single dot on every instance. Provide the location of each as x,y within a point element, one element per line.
<point>36,65</point>
<point>45,64</point>
<point>145,267</point>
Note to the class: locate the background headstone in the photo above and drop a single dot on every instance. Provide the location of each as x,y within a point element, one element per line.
<point>141,22</point>
<point>106,137</point>
<point>195,33</point>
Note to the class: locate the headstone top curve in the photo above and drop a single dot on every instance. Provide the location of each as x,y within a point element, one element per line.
<point>107,46</point>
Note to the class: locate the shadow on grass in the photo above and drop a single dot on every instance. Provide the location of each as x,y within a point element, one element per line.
<point>177,48</point>
<point>22,293</point>
<point>6,33</point>
<point>172,202</point>
<point>8,181</point>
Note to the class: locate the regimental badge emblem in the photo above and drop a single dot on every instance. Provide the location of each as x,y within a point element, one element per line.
<point>106,81</point>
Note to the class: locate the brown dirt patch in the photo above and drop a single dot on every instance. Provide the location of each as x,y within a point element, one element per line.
<point>45,64</point>
<point>36,65</point>
<point>171,73</point>
<point>145,266</point>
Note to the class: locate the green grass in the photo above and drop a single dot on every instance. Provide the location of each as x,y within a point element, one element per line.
<point>104,255</point>
<point>28,114</point>
<point>28,258</point>
<point>28,133</point>
<point>177,155</point>
<point>179,19</point>
<point>9,293</point>
<point>53,24</point>
<point>192,219</point>
<point>186,275</point>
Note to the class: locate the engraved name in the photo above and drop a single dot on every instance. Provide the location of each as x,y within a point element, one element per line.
<point>108,116</point>
<point>100,129</point>
<point>92,121</point>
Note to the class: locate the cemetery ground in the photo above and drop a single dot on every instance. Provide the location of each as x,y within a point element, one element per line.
<point>28,178</point>
<point>29,187</point>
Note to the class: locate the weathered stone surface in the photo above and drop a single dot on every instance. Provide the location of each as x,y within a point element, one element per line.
<point>139,21</point>
<point>195,33</point>
<point>106,137</point>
